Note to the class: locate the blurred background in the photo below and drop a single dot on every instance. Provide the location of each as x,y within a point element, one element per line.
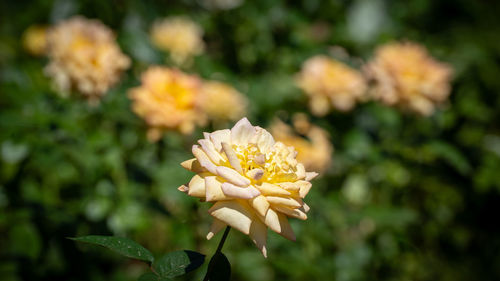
<point>405,197</point>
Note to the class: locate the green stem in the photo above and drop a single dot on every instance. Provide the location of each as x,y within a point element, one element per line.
<point>219,249</point>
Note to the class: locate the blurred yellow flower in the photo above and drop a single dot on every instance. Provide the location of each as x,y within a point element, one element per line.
<point>221,102</point>
<point>406,75</point>
<point>311,142</point>
<point>84,56</point>
<point>253,181</point>
<point>178,35</point>
<point>330,83</point>
<point>168,99</point>
<point>35,40</point>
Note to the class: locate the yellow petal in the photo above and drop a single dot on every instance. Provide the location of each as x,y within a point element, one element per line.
<point>305,208</point>
<point>286,229</point>
<point>183,188</point>
<point>242,132</point>
<point>216,226</point>
<point>197,186</point>
<point>234,214</point>
<point>234,191</point>
<point>260,204</point>
<point>232,176</point>
<point>255,174</point>
<point>220,136</point>
<point>295,213</point>
<point>204,160</point>
<point>305,186</point>
<point>258,234</point>
<point>301,171</point>
<point>231,156</point>
<point>263,139</point>
<point>290,186</point>
<point>289,202</point>
<point>213,189</point>
<point>209,149</point>
<point>311,175</point>
<point>193,165</point>
<point>272,220</point>
<point>270,189</point>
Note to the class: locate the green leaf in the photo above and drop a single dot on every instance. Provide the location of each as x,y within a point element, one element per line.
<point>151,277</point>
<point>121,245</point>
<point>178,263</point>
<point>219,268</point>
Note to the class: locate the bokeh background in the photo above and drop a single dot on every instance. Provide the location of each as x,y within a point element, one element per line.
<point>406,197</point>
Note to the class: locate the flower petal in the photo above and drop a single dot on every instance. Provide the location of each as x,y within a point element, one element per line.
<point>311,175</point>
<point>242,132</point>
<point>288,202</point>
<point>234,191</point>
<point>271,189</point>
<point>204,160</point>
<point>286,229</point>
<point>305,186</point>
<point>213,190</point>
<point>209,149</point>
<point>294,213</point>
<point>301,171</point>
<point>234,214</point>
<point>220,136</point>
<point>197,186</point>
<point>260,204</point>
<point>272,220</point>
<point>193,165</point>
<point>258,234</point>
<point>216,226</point>
<point>263,139</point>
<point>231,156</point>
<point>232,176</point>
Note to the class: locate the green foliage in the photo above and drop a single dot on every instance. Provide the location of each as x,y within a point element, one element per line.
<point>178,263</point>
<point>220,268</point>
<point>121,245</point>
<point>406,198</point>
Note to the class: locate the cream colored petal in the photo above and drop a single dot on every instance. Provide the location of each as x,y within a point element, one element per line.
<point>204,160</point>
<point>301,171</point>
<point>234,214</point>
<point>197,186</point>
<point>242,132</point>
<point>220,136</point>
<point>294,213</point>
<point>231,156</point>
<point>311,175</point>
<point>258,234</point>
<point>232,176</point>
<point>216,226</point>
<point>234,191</point>
<point>260,204</point>
<point>183,188</point>
<point>214,190</point>
<point>193,165</point>
<point>286,229</point>
<point>272,220</point>
<point>290,186</point>
<point>271,189</point>
<point>209,149</point>
<point>305,208</point>
<point>289,202</point>
<point>305,186</point>
<point>263,139</point>
<point>255,174</point>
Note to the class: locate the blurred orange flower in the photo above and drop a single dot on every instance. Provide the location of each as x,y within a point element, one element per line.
<point>330,83</point>
<point>168,99</point>
<point>253,181</point>
<point>34,40</point>
<point>222,102</point>
<point>406,75</point>
<point>84,56</point>
<point>311,142</point>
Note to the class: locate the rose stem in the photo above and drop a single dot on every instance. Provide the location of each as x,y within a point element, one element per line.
<point>219,248</point>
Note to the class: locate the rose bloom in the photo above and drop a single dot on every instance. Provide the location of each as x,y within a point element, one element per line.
<point>311,142</point>
<point>84,56</point>
<point>180,36</point>
<point>330,84</point>
<point>168,99</point>
<point>221,102</point>
<point>405,75</point>
<point>253,182</point>
<point>34,40</point>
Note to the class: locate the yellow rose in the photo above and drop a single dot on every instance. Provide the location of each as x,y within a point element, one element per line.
<point>168,99</point>
<point>253,181</point>
<point>405,75</point>
<point>84,56</point>
<point>222,102</point>
<point>35,40</point>
<point>330,84</point>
